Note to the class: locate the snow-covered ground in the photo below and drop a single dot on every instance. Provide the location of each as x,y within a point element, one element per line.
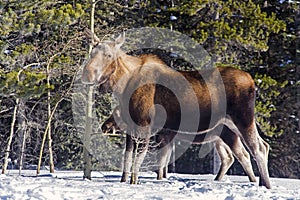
<point>105,185</point>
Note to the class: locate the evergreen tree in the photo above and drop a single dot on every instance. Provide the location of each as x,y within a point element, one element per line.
<point>34,37</point>
<point>281,63</point>
<point>259,36</point>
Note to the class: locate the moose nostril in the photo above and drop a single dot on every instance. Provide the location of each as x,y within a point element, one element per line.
<point>87,77</point>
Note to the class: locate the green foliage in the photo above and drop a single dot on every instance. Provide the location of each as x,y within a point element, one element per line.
<point>228,27</point>
<point>258,36</point>
<point>28,17</point>
<point>245,34</point>
<point>36,35</point>
<point>32,20</point>
<point>268,91</point>
<point>23,84</point>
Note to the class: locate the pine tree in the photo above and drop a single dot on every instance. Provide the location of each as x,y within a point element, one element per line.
<point>34,38</point>
<point>258,36</point>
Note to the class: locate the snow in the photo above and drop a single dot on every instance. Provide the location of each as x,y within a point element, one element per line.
<point>106,185</point>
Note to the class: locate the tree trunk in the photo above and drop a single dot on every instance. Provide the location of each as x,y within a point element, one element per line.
<point>51,163</point>
<point>22,151</point>
<point>45,135</point>
<point>38,170</point>
<point>22,133</point>
<point>12,130</point>
<point>87,168</point>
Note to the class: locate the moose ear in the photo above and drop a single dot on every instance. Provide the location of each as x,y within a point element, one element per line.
<point>120,40</point>
<point>91,35</point>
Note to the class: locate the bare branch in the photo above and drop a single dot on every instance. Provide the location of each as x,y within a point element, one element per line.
<point>6,110</point>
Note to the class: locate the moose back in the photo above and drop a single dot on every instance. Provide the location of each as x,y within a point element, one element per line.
<point>153,96</point>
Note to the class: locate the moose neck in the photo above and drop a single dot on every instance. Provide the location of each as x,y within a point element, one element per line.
<point>125,67</point>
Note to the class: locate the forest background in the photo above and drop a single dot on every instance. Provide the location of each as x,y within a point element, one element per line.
<point>43,48</point>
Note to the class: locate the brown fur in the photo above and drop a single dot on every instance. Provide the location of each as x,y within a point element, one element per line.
<point>227,145</point>
<point>138,84</point>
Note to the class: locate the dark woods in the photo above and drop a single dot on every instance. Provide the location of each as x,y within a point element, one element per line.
<point>259,37</point>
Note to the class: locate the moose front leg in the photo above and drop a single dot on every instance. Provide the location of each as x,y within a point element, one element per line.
<point>127,158</point>
<point>140,150</point>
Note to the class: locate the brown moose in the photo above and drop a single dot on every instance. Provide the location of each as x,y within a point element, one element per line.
<point>228,148</point>
<point>192,105</point>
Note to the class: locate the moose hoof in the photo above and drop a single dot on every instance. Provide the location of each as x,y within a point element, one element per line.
<point>267,183</point>
<point>124,177</point>
<point>133,179</point>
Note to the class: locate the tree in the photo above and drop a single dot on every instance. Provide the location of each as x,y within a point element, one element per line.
<point>280,62</point>
<point>241,33</point>
<point>258,36</point>
<point>5,161</point>
<point>26,40</point>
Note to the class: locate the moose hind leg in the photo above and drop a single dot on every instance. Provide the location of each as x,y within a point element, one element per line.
<point>259,149</point>
<point>264,177</point>
<point>164,152</point>
<point>241,154</point>
<point>226,157</point>
<point>165,172</point>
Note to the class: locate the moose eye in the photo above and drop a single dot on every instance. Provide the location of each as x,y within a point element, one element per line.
<point>108,55</point>
<point>100,46</point>
<point>94,51</point>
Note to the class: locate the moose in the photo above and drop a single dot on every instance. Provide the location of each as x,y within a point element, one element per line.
<point>227,147</point>
<point>184,104</point>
